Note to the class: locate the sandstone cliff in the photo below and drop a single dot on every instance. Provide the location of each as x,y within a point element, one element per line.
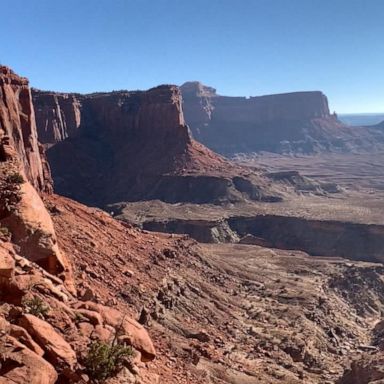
<point>290,122</point>
<point>57,115</point>
<point>41,339</point>
<point>127,146</point>
<point>18,128</point>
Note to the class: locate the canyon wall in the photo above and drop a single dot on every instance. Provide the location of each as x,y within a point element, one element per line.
<point>41,341</point>
<point>317,237</point>
<point>57,115</point>
<point>24,172</point>
<point>290,122</point>
<point>128,146</point>
<point>18,129</point>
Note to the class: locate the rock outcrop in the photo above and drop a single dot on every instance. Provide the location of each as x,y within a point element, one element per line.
<point>18,128</point>
<point>45,335</point>
<point>290,122</point>
<point>128,146</point>
<point>368,369</point>
<point>22,169</point>
<point>57,115</point>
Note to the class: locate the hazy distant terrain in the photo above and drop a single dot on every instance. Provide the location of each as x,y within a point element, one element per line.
<point>361,118</point>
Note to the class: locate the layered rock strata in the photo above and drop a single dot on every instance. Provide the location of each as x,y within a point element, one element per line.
<point>57,115</point>
<point>128,146</point>
<point>298,122</point>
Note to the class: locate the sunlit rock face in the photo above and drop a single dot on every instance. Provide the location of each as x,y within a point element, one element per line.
<point>18,128</point>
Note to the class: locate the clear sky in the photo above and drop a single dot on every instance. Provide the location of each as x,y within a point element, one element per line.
<point>240,47</point>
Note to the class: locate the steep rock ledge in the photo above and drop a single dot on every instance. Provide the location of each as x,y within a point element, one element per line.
<point>57,115</point>
<point>18,128</point>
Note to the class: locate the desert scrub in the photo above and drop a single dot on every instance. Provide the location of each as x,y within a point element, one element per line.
<point>10,193</point>
<point>15,178</point>
<point>105,360</point>
<point>35,306</point>
<point>79,318</point>
<point>5,234</point>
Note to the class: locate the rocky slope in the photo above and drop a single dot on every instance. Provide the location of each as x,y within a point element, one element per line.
<point>49,333</point>
<point>226,313</point>
<point>127,146</point>
<point>297,122</point>
<point>74,280</point>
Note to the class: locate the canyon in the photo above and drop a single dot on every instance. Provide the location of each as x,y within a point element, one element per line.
<point>285,283</point>
<point>298,122</point>
<point>105,148</point>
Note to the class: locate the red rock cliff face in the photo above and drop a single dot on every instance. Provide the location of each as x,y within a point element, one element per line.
<point>57,115</point>
<point>132,146</point>
<point>291,122</point>
<point>18,127</point>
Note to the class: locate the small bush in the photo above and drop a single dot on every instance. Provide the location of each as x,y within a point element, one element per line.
<point>106,360</point>
<point>15,178</point>
<point>36,307</point>
<point>4,233</point>
<point>79,318</point>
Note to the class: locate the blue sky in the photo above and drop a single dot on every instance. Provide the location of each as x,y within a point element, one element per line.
<point>240,47</point>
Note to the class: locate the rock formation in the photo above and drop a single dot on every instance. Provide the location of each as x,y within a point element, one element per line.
<point>18,128</point>
<point>57,115</point>
<point>290,122</point>
<point>46,332</point>
<point>127,146</point>
<point>233,314</point>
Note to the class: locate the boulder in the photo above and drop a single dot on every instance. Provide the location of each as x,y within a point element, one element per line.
<point>57,350</point>
<point>20,365</point>
<point>25,338</point>
<point>32,230</point>
<point>7,262</point>
<point>131,331</point>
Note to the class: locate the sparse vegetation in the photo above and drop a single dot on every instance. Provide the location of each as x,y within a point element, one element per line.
<point>5,233</point>
<point>79,318</point>
<point>105,360</point>
<point>10,193</point>
<point>15,178</point>
<point>35,306</point>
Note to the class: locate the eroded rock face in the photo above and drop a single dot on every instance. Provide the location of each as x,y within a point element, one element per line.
<point>18,128</point>
<point>23,172</point>
<point>57,115</point>
<point>132,146</point>
<point>290,122</point>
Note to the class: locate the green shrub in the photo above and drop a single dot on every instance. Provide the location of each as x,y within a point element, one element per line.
<point>79,318</point>
<point>105,360</point>
<point>36,307</point>
<point>15,178</point>
<point>4,233</point>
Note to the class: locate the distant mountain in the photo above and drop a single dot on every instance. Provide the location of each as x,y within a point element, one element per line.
<point>298,122</point>
<point>359,119</point>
